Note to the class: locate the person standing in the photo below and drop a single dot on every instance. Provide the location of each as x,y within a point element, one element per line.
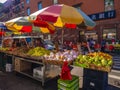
<point>103,44</point>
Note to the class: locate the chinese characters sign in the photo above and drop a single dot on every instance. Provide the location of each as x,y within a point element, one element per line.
<point>103,15</point>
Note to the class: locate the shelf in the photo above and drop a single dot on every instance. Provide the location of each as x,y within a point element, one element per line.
<point>29,60</point>
<point>25,66</point>
<point>29,73</point>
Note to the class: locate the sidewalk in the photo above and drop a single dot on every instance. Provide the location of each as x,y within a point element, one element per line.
<point>10,81</point>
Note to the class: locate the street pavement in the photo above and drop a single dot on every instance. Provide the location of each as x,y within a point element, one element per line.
<point>114,75</point>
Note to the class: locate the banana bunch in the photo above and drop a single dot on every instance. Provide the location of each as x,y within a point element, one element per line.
<point>4,49</point>
<point>38,51</point>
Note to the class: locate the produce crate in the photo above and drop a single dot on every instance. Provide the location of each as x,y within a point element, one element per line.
<point>56,62</point>
<point>69,84</point>
<point>93,66</point>
<point>101,68</point>
<point>74,87</point>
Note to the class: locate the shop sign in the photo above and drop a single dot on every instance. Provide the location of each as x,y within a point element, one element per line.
<point>103,15</point>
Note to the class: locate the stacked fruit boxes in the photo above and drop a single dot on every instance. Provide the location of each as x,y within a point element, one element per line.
<point>69,84</point>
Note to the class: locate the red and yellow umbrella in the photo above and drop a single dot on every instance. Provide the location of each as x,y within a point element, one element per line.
<point>19,24</point>
<point>43,26</point>
<point>23,24</point>
<point>63,15</point>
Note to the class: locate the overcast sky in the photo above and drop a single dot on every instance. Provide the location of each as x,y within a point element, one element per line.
<point>2,1</point>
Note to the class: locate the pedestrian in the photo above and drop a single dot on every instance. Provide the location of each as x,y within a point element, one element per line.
<point>103,44</point>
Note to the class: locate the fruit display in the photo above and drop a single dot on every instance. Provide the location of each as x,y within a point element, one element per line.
<point>60,57</point>
<point>96,60</point>
<point>38,51</point>
<point>20,51</point>
<point>4,49</point>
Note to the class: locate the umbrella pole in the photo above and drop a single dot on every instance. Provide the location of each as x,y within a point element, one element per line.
<point>2,39</point>
<point>62,38</point>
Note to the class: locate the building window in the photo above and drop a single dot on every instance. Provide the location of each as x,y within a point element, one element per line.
<point>28,11</point>
<point>27,1</point>
<point>55,1</point>
<point>39,5</point>
<point>22,5</point>
<point>109,5</point>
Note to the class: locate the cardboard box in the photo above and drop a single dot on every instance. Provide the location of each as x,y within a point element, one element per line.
<point>77,71</point>
<point>21,65</point>
<point>9,67</point>
<point>38,72</point>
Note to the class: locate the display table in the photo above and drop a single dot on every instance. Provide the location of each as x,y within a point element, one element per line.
<point>31,67</point>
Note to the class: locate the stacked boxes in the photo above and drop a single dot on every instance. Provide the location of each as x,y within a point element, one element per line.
<point>69,84</point>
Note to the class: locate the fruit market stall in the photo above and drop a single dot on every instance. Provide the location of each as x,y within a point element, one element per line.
<point>96,67</point>
<point>96,60</point>
<point>38,63</point>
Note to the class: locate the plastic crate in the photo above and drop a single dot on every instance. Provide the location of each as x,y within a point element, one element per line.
<point>95,74</point>
<point>74,87</point>
<point>94,84</point>
<point>69,83</point>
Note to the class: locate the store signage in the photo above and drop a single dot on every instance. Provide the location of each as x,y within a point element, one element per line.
<point>103,15</point>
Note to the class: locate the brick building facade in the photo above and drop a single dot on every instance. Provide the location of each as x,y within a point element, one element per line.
<point>107,21</point>
<point>12,9</point>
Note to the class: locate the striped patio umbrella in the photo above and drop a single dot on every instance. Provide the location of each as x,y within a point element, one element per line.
<point>63,15</point>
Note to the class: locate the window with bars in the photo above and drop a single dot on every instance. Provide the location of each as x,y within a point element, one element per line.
<point>109,5</point>
<point>55,1</point>
<point>28,11</point>
<point>39,5</point>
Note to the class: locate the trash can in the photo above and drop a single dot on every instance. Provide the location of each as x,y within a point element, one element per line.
<point>95,80</point>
